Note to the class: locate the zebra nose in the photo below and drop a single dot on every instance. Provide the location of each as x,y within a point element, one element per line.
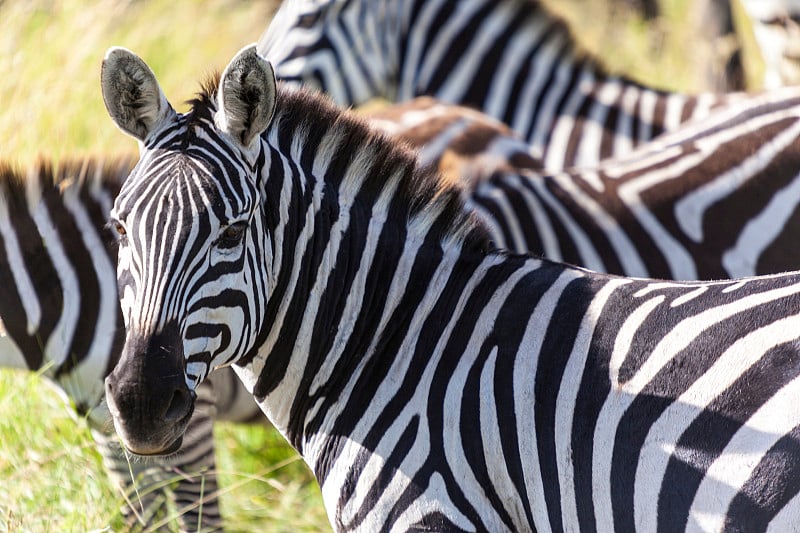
<point>167,402</point>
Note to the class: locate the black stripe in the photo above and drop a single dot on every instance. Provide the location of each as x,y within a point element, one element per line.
<point>706,437</point>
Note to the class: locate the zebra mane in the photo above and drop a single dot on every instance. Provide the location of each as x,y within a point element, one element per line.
<point>28,184</point>
<point>428,196</point>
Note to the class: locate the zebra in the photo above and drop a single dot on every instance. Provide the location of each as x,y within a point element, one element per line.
<point>431,381</point>
<point>511,59</point>
<point>60,316</point>
<point>715,199</point>
<point>463,144</point>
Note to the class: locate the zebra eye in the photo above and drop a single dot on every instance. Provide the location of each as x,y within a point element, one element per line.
<point>232,235</point>
<point>120,229</point>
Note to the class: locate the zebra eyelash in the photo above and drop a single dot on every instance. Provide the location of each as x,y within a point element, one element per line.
<point>232,235</point>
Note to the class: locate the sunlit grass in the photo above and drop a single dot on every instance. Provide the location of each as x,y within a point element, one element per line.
<point>671,52</point>
<point>51,51</point>
<point>53,479</point>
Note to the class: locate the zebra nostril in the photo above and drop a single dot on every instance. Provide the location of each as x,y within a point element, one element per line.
<point>109,389</point>
<point>180,405</point>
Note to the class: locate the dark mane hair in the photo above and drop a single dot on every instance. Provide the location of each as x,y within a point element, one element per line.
<point>312,115</point>
<point>203,104</point>
<point>17,182</point>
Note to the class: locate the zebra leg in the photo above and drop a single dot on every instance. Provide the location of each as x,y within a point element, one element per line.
<point>232,401</point>
<point>146,501</point>
<point>196,492</point>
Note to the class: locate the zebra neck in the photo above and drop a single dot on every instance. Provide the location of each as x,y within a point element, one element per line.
<point>344,299</point>
<point>359,322</point>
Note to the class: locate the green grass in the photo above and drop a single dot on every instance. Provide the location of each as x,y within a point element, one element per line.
<point>51,479</point>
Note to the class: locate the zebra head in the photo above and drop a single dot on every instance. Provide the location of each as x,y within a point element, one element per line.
<point>346,48</point>
<point>187,237</point>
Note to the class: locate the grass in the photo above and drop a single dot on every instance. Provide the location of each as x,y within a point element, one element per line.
<point>51,50</point>
<point>51,479</point>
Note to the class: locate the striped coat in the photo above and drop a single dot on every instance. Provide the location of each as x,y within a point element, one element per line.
<point>718,199</point>
<point>431,381</point>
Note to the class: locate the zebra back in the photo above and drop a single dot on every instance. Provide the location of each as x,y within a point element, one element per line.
<point>464,145</point>
<point>60,316</point>
<point>716,199</point>
<point>511,59</point>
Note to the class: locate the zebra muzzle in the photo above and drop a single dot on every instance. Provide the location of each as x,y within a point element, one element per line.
<point>147,394</point>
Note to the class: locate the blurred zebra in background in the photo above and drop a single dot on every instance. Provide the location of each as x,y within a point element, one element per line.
<point>719,198</point>
<point>60,314</point>
<point>431,382</point>
<point>512,59</point>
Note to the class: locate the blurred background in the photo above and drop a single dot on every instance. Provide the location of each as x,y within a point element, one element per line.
<point>51,478</point>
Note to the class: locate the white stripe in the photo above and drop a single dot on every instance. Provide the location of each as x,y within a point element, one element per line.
<point>625,250</point>
<point>442,45</point>
<point>659,448</point>
<point>452,411</point>
<point>735,465</point>
<point>673,111</point>
<point>88,384</point>
<point>551,248</point>
<point>646,115</point>
<point>760,232</point>
<point>10,354</point>
<point>564,128</point>
<point>689,296</point>
<point>524,376</point>
<point>589,257</point>
<point>568,390</point>
<point>22,281</point>
<point>622,395</point>
<point>679,260</point>
<point>623,136</point>
<point>487,194</point>
<point>788,518</point>
<point>594,128</point>
<point>554,89</point>
<point>57,345</point>
<point>516,53</point>
<point>281,398</point>
<point>690,211</point>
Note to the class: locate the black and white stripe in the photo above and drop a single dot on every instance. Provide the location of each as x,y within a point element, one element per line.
<point>716,199</point>
<point>512,59</point>
<point>60,313</point>
<point>431,382</point>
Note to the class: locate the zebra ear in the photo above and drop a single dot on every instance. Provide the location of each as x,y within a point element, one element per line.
<point>246,96</point>
<point>133,98</point>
